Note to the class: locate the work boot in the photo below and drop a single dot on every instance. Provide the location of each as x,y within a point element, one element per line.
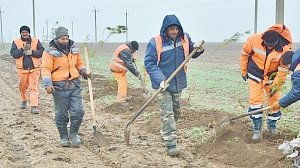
<point>34,110</point>
<point>23,105</point>
<point>272,127</point>
<point>257,123</point>
<point>256,136</point>
<point>64,139</point>
<point>75,140</point>
<point>173,151</point>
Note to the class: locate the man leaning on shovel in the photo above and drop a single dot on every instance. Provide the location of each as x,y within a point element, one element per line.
<point>165,52</point>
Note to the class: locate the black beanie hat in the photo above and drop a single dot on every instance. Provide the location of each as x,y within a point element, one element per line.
<point>287,57</point>
<point>134,45</point>
<point>24,28</point>
<point>60,32</point>
<point>270,36</point>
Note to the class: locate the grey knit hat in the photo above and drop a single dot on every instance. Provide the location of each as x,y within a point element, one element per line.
<point>61,31</point>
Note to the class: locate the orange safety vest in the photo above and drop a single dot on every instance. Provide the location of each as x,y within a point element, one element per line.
<point>36,61</point>
<point>117,64</point>
<point>184,42</point>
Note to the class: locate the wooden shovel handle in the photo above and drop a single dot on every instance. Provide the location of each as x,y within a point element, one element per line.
<point>87,64</point>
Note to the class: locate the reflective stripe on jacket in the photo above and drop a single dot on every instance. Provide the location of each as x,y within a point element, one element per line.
<point>117,64</point>
<point>19,61</point>
<point>59,67</point>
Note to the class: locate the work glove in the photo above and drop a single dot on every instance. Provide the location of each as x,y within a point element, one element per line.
<point>197,45</point>
<point>245,77</point>
<point>275,106</point>
<point>86,75</point>
<point>163,85</point>
<point>27,52</point>
<point>26,47</point>
<point>50,89</point>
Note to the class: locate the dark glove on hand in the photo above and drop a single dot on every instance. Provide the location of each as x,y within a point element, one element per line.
<point>245,77</point>
<point>86,75</point>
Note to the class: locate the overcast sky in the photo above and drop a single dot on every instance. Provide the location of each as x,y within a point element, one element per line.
<point>211,20</point>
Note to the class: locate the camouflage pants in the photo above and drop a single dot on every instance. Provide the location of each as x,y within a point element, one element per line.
<point>169,114</point>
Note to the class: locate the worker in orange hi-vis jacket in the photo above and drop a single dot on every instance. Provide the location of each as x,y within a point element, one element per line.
<point>261,63</point>
<point>27,51</point>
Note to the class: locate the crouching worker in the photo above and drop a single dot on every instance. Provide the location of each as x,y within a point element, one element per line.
<point>262,66</point>
<point>122,61</point>
<point>61,67</point>
<point>294,94</point>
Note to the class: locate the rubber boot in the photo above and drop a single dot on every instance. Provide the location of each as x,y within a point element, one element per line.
<point>272,127</point>
<point>23,105</point>
<point>64,139</point>
<point>75,140</point>
<point>34,110</point>
<point>173,151</point>
<point>257,123</point>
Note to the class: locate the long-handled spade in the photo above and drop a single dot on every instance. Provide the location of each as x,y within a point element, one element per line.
<point>140,111</point>
<point>98,136</point>
<point>221,126</point>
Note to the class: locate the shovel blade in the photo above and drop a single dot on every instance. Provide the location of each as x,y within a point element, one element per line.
<point>127,136</point>
<point>100,139</point>
<point>221,127</point>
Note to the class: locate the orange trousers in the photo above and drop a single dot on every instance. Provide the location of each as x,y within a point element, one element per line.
<point>257,94</point>
<point>122,86</point>
<point>28,83</point>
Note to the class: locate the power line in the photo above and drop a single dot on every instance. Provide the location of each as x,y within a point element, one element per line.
<point>126,14</point>
<point>95,16</point>
<point>1,26</point>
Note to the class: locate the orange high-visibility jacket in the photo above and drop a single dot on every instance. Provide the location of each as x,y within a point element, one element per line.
<point>36,61</point>
<point>58,66</point>
<point>117,64</point>
<point>259,66</point>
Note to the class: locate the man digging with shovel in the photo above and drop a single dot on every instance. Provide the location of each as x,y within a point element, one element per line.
<point>261,63</point>
<point>122,62</point>
<point>165,52</point>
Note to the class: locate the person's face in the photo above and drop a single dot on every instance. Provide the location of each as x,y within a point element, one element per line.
<point>172,31</point>
<point>25,34</point>
<point>270,45</point>
<point>64,40</point>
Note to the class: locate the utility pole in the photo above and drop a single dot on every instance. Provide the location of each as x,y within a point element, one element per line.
<point>279,11</point>
<point>47,39</point>
<point>33,12</point>
<point>95,15</point>
<point>1,26</point>
<point>72,30</point>
<point>255,17</point>
<point>126,14</point>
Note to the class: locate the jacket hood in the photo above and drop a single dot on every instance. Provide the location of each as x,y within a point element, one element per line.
<point>168,21</point>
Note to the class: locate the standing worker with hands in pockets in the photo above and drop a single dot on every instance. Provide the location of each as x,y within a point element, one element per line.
<point>165,52</point>
<point>62,66</point>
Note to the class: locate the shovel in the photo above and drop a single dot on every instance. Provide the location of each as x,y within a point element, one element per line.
<point>221,126</point>
<point>140,111</point>
<point>146,94</point>
<point>98,136</point>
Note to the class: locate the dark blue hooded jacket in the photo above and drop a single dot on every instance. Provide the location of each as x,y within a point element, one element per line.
<point>172,56</point>
<point>294,94</point>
